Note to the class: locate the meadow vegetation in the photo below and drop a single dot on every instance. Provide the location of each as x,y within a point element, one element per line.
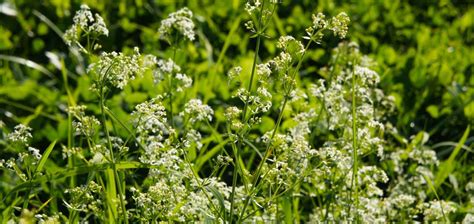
<point>262,111</point>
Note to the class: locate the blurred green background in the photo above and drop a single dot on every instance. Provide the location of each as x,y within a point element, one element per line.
<point>424,50</point>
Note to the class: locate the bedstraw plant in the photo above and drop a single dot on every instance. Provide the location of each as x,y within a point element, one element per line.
<point>284,148</point>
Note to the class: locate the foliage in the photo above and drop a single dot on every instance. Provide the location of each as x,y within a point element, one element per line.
<point>211,111</point>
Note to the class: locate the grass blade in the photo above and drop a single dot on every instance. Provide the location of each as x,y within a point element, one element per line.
<point>45,156</point>
<point>27,63</point>
<point>448,166</point>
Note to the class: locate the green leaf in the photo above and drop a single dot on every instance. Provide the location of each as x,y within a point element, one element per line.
<point>448,166</point>
<point>45,156</point>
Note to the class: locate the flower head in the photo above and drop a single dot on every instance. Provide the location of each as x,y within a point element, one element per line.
<point>85,22</point>
<point>21,134</point>
<point>179,21</point>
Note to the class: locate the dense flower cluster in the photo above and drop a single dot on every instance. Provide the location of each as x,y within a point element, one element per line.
<point>180,23</point>
<point>197,111</point>
<point>85,23</point>
<point>116,69</point>
<point>21,134</point>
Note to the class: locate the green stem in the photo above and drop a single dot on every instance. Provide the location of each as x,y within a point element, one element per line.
<point>170,83</point>
<point>111,176</point>
<point>234,178</point>
<point>249,89</point>
<point>354,144</point>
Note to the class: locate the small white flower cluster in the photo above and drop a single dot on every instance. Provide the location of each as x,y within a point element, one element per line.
<point>259,103</point>
<point>84,124</point>
<point>293,153</point>
<point>86,199</point>
<point>21,134</point>
<point>45,219</point>
<point>85,22</point>
<point>197,111</point>
<point>232,115</point>
<point>172,200</point>
<point>290,45</point>
<point>150,121</point>
<point>180,22</point>
<point>436,210</point>
<point>234,73</point>
<point>35,153</point>
<point>260,12</point>
<point>28,156</point>
<point>164,67</point>
<point>192,139</point>
<point>115,69</point>
<point>338,24</point>
<point>168,68</point>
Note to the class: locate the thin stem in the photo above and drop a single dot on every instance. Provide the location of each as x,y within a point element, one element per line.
<point>234,178</point>
<point>170,83</point>
<point>254,64</point>
<point>354,144</point>
<point>115,173</point>
<point>249,89</point>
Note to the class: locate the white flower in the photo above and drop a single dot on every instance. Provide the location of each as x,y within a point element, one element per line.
<point>319,21</point>
<point>180,21</point>
<point>21,134</point>
<point>184,82</point>
<point>263,70</point>
<point>85,22</point>
<point>165,67</point>
<point>117,69</point>
<point>85,125</point>
<point>234,72</point>
<point>367,74</point>
<point>197,111</point>
<point>435,210</point>
<point>35,153</point>
<point>150,118</point>
<point>339,24</point>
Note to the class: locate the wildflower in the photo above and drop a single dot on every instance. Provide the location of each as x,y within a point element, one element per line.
<point>469,218</point>
<point>232,113</point>
<point>319,21</point>
<point>264,100</point>
<point>290,45</point>
<point>21,134</point>
<point>367,74</point>
<point>165,67</point>
<point>282,62</point>
<point>234,72</point>
<point>85,22</point>
<point>86,125</point>
<point>150,118</point>
<point>35,153</point>
<point>193,137</point>
<point>339,24</point>
<point>435,210</point>
<point>319,24</point>
<point>263,71</point>
<point>179,21</point>
<point>184,81</point>
<point>198,111</point>
<point>86,198</point>
<point>116,69</point>
<point>250,8</point>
